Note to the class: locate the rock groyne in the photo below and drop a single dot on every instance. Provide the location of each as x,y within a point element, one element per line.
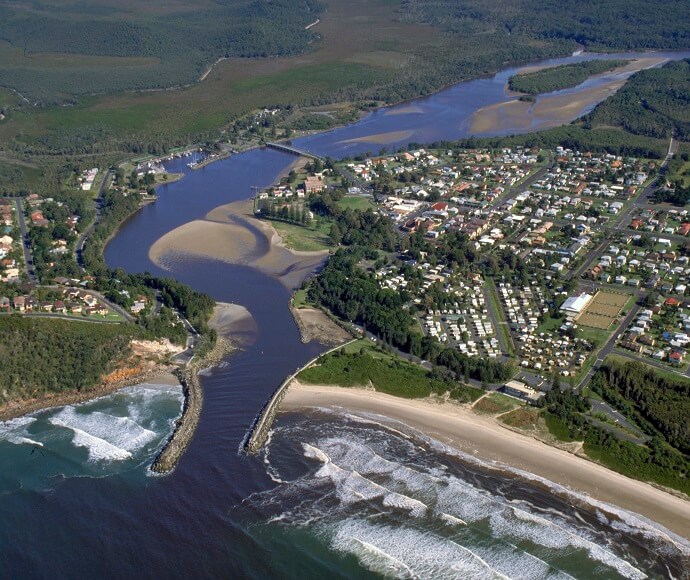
<point>187,423</point>
<point>258,432</point>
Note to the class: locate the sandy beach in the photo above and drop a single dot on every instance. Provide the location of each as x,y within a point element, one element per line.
<point>483,437</point>
<point>230,233</point>
<point>552,111</point>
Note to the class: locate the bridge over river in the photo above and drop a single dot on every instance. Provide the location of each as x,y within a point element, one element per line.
<point>292,150</point>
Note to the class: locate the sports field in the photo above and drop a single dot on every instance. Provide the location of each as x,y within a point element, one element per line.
<point>604,308</point>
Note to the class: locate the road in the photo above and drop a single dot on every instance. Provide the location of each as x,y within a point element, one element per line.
<point>497,320</point>
<point>81,241</point>
<point>608,346</point>
<point>28,260</point>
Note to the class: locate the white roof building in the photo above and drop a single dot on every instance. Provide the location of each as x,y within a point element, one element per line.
<point>574,305</point>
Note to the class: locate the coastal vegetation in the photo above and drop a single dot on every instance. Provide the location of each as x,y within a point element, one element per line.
<point>388,374</point>
<point>637,121</point>
<point>653,103</point>
<point>657,460</point>
<point>72,84</point>
<point>40,356</point>
<point>560,77</point>
<point>660,405</point>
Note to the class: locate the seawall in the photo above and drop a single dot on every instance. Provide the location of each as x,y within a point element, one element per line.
<point>258,432</point>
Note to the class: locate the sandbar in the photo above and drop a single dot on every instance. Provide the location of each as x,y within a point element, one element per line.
<point>483,437</point>
<point>551,111</point>
<point>381,138</point>
<point>409,110</point>
<point>230,233</point>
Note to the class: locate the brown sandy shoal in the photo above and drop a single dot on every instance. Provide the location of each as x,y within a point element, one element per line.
<point>314,324</point>
<point>381,138</point>
<point>483,437</point>
<point>551,111</point>
<point>230,233</point>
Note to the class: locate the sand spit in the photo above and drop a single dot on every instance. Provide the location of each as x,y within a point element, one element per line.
<point>230,233</point>
<point>481,436</point>
<point>234,323</point>
<point>552,111</point>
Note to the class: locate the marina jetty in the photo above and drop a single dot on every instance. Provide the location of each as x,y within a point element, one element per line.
<point>258,432</point>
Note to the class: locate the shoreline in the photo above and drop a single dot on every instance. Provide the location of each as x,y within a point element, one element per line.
<point>503,449</point>
<point>162,374</point>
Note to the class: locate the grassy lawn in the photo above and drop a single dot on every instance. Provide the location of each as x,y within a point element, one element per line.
<point>299,298</point>
<point>356,202</point>
<point>388,375</point>
<point>304,238</point>
<point>524,418</point>
<point>669,374</point>
<point>550,325</point>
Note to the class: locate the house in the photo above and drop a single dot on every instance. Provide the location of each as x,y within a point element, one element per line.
<point>676,358</point>
<point>19,303</point>
<point>313,184</point>
<point>5,303</point>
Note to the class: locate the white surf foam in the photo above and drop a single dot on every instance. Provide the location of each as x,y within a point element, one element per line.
<point>397,550</point>
<point>550,534</point>
<point>636,523</point>
<point>14,431</point>
<point>352,486</point>
<point>106,437</point>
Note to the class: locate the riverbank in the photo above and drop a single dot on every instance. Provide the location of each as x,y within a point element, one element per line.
<point>230,233</point>
<point>555,110</point>
<point>314,324</point>
<point>482,437</point>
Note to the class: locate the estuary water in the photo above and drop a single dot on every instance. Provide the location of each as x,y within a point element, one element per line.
<point>332,494</point>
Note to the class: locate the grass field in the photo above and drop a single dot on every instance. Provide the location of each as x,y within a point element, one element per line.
<point>495,403</point>
<point>604,308</point>
<point>356,202</point>
<point>304,238</point>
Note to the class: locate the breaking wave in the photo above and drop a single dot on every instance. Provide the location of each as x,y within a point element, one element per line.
<point>405,510</point>
<point>106,437</point>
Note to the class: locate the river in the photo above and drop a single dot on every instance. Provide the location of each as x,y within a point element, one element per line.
<point>332,494</point>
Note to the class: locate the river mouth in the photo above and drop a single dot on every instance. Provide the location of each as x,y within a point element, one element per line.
<point>211,515</point>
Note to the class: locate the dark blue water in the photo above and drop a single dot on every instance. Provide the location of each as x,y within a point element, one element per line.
<point>331,495</point>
